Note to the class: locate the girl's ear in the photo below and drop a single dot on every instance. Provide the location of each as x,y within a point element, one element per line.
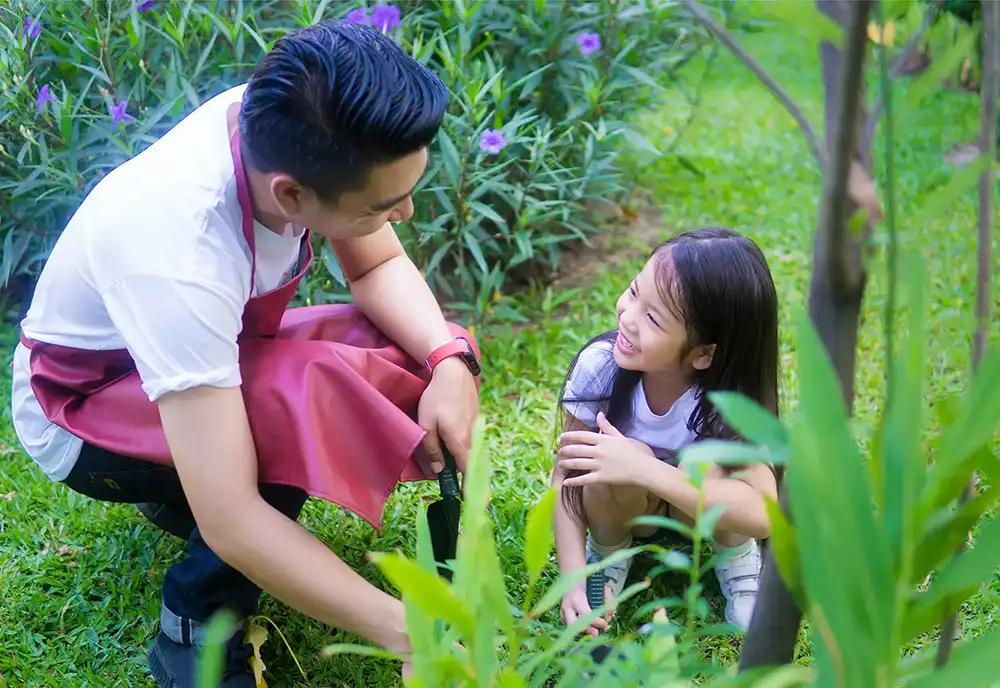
<point>701,356</point>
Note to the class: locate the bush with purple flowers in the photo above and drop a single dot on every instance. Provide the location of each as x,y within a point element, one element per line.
<point>543,95</point>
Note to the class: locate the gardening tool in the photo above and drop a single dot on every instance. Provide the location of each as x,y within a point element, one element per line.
<point>443,516</point>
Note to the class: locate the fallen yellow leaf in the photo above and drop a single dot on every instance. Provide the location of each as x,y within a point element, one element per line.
<point>256,635</point>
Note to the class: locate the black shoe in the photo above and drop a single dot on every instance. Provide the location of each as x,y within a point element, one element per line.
<point>179,522</point>
<point>176,666</point>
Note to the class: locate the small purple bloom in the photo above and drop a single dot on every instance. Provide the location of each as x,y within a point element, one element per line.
<point>118,113</point>
<point>589,43</point>
<point>492,141</point>
<point>386,17</point>
<point>30,28</point>
<point>43,97</point>
<point>358,16</point>
<point>145,6</point>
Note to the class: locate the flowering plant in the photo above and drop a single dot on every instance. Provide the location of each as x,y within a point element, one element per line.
<point>541,98</point>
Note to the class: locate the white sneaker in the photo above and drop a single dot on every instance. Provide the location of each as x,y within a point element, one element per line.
<point>613,575</point>
<point>739,577</point>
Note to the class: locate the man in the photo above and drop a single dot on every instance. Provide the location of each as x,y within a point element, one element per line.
<point>158,364</point>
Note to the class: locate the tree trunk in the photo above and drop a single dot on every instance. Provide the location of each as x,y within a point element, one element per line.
<point>836,288</point>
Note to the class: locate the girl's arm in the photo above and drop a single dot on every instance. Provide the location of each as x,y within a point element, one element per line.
<point>742,496</point>
<point>570,533</point>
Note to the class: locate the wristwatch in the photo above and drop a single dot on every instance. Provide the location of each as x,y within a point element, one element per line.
<point>458,347</point>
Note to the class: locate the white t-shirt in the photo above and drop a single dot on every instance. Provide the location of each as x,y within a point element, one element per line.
<point>154,261</point>
<point>591,379</point>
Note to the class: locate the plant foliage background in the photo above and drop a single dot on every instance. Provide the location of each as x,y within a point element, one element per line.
<point>542,93</point>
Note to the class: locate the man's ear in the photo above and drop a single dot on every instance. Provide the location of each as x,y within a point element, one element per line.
<point>288,195</point>
<point>701,356</point>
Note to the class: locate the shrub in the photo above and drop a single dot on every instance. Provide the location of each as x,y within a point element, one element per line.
<point>542,94</point>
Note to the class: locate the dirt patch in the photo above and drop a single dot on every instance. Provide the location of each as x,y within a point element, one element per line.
<point>629,233</point>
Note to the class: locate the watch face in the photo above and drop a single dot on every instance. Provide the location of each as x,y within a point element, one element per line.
<point>470,358</point>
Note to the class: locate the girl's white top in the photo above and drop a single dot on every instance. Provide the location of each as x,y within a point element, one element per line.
<point>591,378</point>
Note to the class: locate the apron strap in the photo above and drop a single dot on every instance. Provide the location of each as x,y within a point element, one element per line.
<point>246,204</point>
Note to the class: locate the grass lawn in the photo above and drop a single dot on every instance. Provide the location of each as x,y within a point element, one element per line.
<point>79,581</point>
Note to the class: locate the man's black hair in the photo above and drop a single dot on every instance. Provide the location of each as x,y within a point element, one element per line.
<point>331,101</point>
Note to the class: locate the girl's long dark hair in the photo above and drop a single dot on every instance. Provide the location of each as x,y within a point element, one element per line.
<point>718,283</point>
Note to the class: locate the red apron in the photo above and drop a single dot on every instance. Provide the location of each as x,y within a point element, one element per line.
<point>331,400</point>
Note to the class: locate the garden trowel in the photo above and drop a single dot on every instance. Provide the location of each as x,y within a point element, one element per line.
<point>443,516</point>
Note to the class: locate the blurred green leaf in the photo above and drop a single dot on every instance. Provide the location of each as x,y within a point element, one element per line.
<point>942,66</point>
<point>538,538</point>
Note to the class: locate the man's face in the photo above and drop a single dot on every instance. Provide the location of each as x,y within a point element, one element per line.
<point>386,198</point>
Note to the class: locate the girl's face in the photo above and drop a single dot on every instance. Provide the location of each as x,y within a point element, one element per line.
<point>651,339</point>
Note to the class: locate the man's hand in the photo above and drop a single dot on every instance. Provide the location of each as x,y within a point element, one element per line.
<point>447,411</point>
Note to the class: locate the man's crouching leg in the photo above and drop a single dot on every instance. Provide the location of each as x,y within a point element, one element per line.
<point>194,590</point>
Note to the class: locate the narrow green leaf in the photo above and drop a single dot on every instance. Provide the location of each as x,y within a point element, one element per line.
<point>972,429</point>
<point>902,458</point>
<point>930,80</point>
<point>942,539</point>
<point>707,521</point>
<point>962,181</point>
<point>726,453</point>
<point>853,614</point>
<point>568,581</point>
<point>751,420</point>
<point>538,537</point>
<point>805,17</point>
<point>786,551</point>
<point>971,568</point>
<point>973,664</point>
<point>213,649</point>
<point>451,158</point>
<point>476,251</point>
<point>428,590</point>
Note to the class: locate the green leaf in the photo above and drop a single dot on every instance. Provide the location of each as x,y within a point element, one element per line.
<point>213,649</point>
<point>452,160</point>
<point>428,590</point>
<point>973,664</point>
<point>786,551</point>
<point>942,66</point>
<point>726,453</point>
<point>971,568</point>
<point>942,539</point>
<point>961,181</point>
<point>853,615</point>
<point>751,420</point>
<point>805,17</point>
<point>707,521</point>
<point>902,461</point>
<point>972,429</point>
<point>568,581</point>
<point>538,538</point>
<point>476,251</point>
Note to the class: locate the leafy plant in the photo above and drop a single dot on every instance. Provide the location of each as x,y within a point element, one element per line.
<point>541,96</point>
<point>468,633</point>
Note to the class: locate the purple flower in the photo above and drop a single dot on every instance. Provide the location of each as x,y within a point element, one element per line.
<point>358,16</point>
<point>492,141</point>
<point>145,6</point>
<point>589,43</point>
<point>43,97</point>
<point>118,113</point>
<point>30,28</point>
<point>386,17</point>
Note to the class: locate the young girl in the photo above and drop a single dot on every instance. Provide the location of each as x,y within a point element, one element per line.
<point>701,316</point>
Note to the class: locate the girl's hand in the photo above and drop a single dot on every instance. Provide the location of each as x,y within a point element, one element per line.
<point>609,456</point>
<point>575,605</point>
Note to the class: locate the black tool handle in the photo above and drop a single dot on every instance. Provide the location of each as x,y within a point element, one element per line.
<point>448,477</point>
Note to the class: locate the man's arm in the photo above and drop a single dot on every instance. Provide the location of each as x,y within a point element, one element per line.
<point>391,292</point>
<point>270,549</point>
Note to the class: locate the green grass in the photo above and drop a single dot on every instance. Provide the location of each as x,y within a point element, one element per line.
<point>79,581</point>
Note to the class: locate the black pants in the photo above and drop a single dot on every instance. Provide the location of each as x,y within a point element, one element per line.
<point>200,584</point>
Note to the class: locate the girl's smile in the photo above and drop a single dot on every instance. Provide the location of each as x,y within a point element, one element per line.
<point>626,347</point>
